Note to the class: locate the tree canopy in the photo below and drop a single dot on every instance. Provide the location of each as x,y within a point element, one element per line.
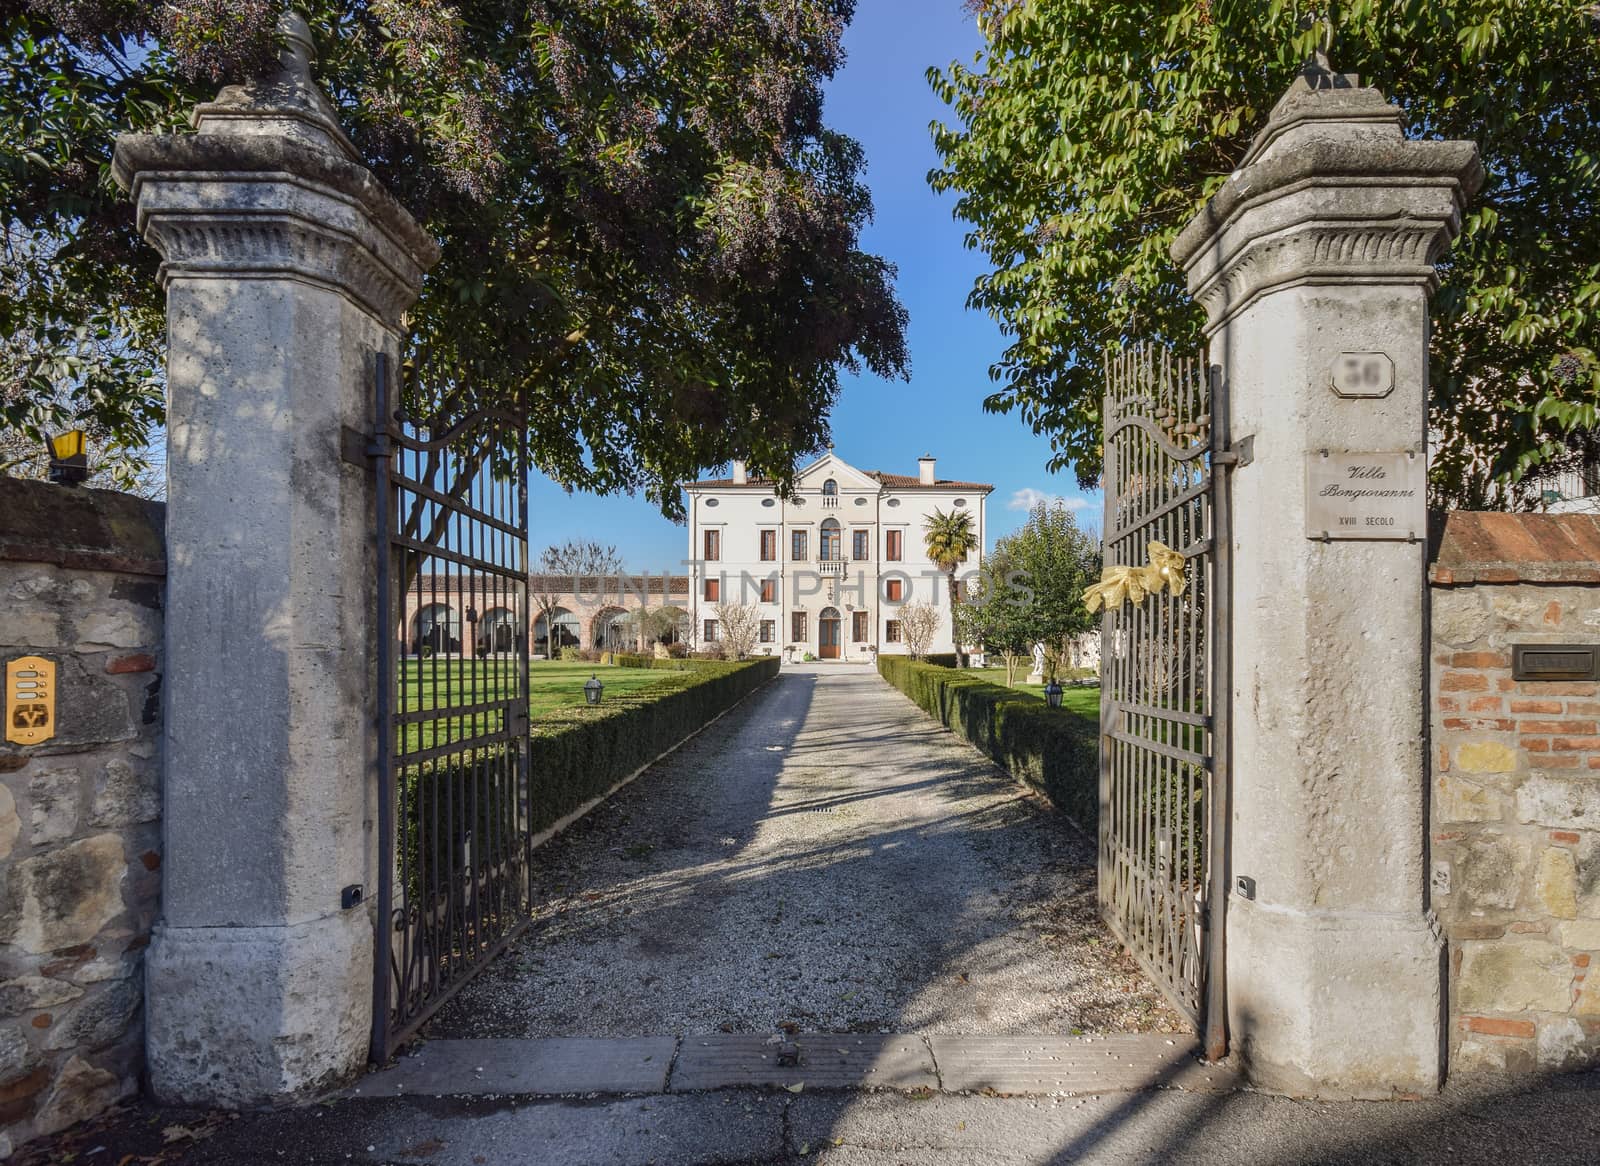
<point>1090,131</point>
<point>650,236</point>
<point>1049,561</point>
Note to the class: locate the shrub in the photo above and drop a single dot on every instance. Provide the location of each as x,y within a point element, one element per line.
<point>677,650</point>
<point>942,659</point>
<point>605,658</point>
<point>572,655</point>
<point>469,804</point>
<point>1051,750</point>
<point>579,753</point>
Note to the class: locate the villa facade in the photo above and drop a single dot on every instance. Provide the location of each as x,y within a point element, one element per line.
<point>830,567</point>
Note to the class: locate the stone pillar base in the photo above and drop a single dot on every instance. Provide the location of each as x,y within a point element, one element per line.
<point>222,997</point>
<point>1335,1005</point>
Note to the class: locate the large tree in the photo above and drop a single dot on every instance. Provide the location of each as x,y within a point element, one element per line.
<point>1052,560</point>
<point>650,235</point>
<point>1090,131</point>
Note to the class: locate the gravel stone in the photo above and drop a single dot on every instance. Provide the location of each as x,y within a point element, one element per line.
<point>823,858</point>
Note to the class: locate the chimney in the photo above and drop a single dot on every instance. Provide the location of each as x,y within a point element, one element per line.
<point>925,469</point>
<point>740,478</point>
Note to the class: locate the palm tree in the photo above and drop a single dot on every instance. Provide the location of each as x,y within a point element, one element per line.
<point>950,538</point>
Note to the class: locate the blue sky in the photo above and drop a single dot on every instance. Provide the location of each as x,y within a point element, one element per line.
<point>882,99</point>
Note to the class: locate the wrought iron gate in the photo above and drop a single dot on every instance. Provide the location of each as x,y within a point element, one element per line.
<point>1164,686</point>
<point>452,657</point>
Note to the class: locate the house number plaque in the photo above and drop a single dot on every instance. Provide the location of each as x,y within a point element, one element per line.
<point>1380,495</point>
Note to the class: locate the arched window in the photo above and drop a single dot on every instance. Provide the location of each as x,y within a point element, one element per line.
<point>830,488</point>
<point>437,629</point>
<point>832,540</point>
<point>566,633</point>
<point>615,630</point>
<point>497,632</point>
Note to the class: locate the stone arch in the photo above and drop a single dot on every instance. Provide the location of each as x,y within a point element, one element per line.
<point>613,629</point>
<point>437,628</point>
<point>679,632</point>
<point>568,632</point>
<point>497,632</point>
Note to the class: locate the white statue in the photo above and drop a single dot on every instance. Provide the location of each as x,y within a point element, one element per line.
<point>1037,675</point>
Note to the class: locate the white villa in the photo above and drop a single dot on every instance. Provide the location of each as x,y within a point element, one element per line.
<point>829,567</point>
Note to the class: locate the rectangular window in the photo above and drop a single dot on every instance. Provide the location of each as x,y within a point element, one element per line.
<point>893,545</point>
<point>769,591</point>
<point>860,544</point>
<point>713,545</point>
<point>894,590</point>
<point>713,590</point>
<point>711,631</point>
<point>858,627</point>
<point>891,631</point>
<point>769,628</point>
<point>797,627</point>
<point>769,546</point>
<point>797,546</point>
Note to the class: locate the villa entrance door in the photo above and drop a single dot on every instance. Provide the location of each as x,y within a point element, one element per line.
<point>828,633</point>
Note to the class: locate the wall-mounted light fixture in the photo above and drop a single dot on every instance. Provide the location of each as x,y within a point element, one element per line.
<point>69,458</point>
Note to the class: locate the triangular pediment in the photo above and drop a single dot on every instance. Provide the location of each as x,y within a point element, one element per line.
<point>831,465</point>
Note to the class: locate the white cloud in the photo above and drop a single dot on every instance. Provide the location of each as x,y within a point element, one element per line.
<point>1027,498</point>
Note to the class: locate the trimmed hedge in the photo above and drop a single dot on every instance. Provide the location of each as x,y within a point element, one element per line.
<point>1054,751</point>
<point>579,753</point>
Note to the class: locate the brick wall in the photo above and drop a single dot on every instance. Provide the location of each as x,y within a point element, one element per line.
<point>80,853</point>
<point>1516,792</point>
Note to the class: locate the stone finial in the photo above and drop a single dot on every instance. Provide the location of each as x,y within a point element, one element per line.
<point>1330,190</point>
<point>287,103</point>
<point>270,184</point>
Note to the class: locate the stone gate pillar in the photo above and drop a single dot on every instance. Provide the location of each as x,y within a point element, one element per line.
<point>286,267</point>
<point>1314,264</point>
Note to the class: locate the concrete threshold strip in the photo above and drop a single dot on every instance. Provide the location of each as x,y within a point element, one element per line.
<point>1009,1065</point>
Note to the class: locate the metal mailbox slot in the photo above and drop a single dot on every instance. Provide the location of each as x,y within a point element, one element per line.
<point>1555,661</point>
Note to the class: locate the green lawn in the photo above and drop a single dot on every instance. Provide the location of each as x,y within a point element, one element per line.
<point>552,684</point>
<point>1083,700</point>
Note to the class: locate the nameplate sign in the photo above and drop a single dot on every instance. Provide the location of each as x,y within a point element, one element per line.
<point>1366,495</point>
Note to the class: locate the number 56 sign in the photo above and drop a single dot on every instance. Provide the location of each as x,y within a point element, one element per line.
<point>1363,374</point>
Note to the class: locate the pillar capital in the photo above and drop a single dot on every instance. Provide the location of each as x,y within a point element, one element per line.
<point>1331,191</point>
<point>269,184</point>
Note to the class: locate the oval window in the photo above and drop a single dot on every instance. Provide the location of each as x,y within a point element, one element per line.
<point>711,502</point>
<point>961,502</point>
<point>861,501</point>
<point>892,502</point>
<point>768,502</point>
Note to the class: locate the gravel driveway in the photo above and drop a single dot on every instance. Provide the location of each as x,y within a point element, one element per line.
<point>824,856</point>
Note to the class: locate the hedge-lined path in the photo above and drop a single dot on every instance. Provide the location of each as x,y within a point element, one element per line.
<point>825,857</point>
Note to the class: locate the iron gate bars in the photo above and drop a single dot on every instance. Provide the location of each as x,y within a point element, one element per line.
<point>1163,704</point>
<point>452,658</point>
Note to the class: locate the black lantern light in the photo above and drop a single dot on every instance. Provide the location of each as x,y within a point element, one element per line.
<point>593,689</point>
<point>1052,693</point>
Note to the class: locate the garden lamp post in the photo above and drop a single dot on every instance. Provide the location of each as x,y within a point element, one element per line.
<point>1052,693</point>
<point>593,689</point>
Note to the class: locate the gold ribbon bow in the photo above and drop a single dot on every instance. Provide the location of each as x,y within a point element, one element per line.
<point>1131,584</point>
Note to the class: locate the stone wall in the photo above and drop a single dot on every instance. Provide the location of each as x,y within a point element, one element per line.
<point>1516,791</point>
<point>81,580</point>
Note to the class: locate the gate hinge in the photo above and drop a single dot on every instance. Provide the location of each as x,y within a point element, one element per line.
<point>359,448</point>
<point>1240,453</point>
<point>517,721</point>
